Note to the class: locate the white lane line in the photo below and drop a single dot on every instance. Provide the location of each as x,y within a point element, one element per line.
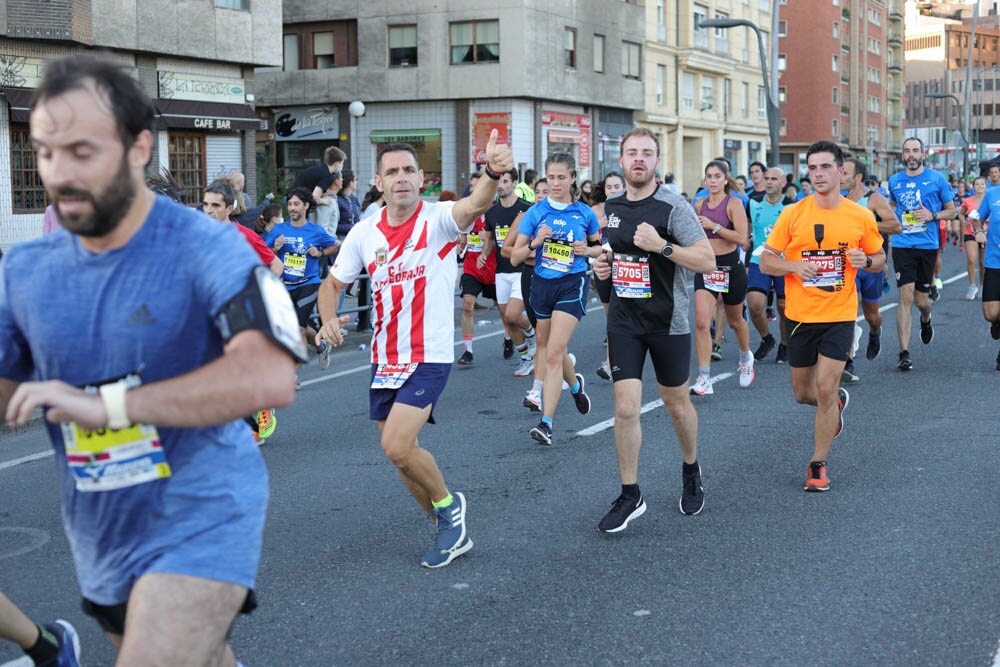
<point>652,405</point>
<point>27,459</point>
<point>996,657</point>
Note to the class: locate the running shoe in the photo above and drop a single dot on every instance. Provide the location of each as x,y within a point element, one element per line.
<point>465,359</point>
<point>926,332</point>
<point>886,286</point>
<point>605,341</point>
<point>843,399</point>
<point>580,398</point>
<point>69,644</point>
<point>604,370</point>
<point>995,330</point>
<point>857,340</point>
<point>693,495</point>
<point>542,433</point>
<point>934,293</point>
<point>970,294</point>
<point>451,540</point>
<point>767,344</point>
<point>848,374</point>
<point>771,316</point>
<point>480,307</point>
<point>508,348</point>
<point>716,352</point>
<point>622,511</point>
<point>874,346</point>
<point>782,356</point>
<point>323,354</point>
<point>998,362</point>
<point>298,382</point>
<point>904,363</point>
<point>702,386</point>
<point>525,368</point>
<point>817,480</point>
<point>532,400</point>
<point>747,373</point>
<point>532,346</point>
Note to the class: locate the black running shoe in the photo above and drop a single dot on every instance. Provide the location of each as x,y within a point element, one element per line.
<point>934,293</point>
<point>542,433</point>
<point>926,332</point>
<point>849,374</point>
<point>622,511</point>
<point>874,346</point>
<point>465,359</point>
<point>782,357</point>
<point>581,398</point>
<point>904,361</point>
<point>995,330</point>
<point>693,495</point>
<point>766,345</point>
<point>508,348</point>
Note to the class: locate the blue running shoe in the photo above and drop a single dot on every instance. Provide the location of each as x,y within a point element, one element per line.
<point>451,540</point>
<point>69,644</point>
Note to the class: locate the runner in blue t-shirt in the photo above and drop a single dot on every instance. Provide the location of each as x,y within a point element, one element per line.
<point>163,490</point>
<point>922,198</point>
<point>990,236</point>
<point>562,233</point>
<point>762,214</point>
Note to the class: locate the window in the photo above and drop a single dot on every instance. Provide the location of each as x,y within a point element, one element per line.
<point>599,53</point>
<point>707,93</point>
<point>875,105</point>
<point>475,42</point>
<point>320,45</point>
<point>187,162</point>
<point>700,34</point>
<point>687,90</point>
<point>569,47</point>
<point>835,129</point>
<point>631,60</point>
<point>782,94</point>
<point>27,191</point>
<point>661,75</point>
<point>874,16</point>
<point>836,95</point>
<point>836,29</point>
<point>782,62</point>
<point>292,47</point>
<point>745,101</point>
<point>761,103</point>
<point>874,75</point>
<point>727,97</point>
<point>721,32</point>
<point>402,45</point>
<point>836,63</point>
<point>231,4</point>
<point>782,28</point>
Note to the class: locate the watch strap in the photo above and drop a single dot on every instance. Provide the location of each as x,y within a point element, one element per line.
<point>113,396</point>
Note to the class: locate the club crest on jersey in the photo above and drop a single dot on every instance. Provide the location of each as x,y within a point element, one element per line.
<point>382,256</point>
<point>409,243</point>
<point>614,221</point>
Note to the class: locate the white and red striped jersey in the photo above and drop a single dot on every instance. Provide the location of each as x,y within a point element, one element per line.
<point>413,269</point>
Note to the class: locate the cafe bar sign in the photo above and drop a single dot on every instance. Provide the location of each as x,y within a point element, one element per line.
<point>200,88</point>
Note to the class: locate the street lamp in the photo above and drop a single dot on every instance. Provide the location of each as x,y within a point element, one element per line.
<point>356,109</point>
<point>961,128</point>
<point>773,112</point>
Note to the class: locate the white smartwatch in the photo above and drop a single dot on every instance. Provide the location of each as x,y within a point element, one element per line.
<point>113,396</point>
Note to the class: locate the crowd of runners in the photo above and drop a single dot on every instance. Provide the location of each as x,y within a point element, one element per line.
<point>154,399</point>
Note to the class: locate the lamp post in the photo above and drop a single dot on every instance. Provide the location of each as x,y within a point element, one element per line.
<point>357,110</point>
<point>773,112</point>
<point>961,128</point>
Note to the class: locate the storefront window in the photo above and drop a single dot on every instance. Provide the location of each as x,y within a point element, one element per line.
<point>187,163</point>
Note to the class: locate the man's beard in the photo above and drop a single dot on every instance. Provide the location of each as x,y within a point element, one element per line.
<point>637,183</point>
<point>919,162</point>
<point>108,210</point>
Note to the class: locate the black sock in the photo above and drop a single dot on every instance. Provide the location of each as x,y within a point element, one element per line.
<point>631,491</point>
<point>691,467</point>
<point>46,647</point>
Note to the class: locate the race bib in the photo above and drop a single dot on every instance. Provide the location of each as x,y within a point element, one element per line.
<point>717,281</point>
<point>295,265</point>
<point>911,225</point>
<point>829,268</point>
<point>106,459</point>
<point>500,234</point>
<point>630,277</point>
<point>557,255</point>
<point>475,243</point>
<point>392,376</point>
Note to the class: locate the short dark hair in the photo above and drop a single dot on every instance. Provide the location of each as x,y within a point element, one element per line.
<point>220,187</point>
<point>304,195</point>
<point>132,108</point>
<point>757,163</point>
<point>825,146</point>
<point>916,139</point>
<point>805,179</point>
<point>859,168</point>
<point>395,147</point>
<point>530,176</point>
<point>332,155</point>
<point>513,174</point>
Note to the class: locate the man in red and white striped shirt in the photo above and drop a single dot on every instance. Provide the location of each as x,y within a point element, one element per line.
<point>409,252</point>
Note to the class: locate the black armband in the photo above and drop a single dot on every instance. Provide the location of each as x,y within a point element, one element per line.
<point>591,244</point>
<point>264,305</point>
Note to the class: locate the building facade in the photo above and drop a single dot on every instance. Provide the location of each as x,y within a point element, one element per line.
<point>841,79</point>
<point>549,76</point>
<point>195,59</point>
<point>704,87</point>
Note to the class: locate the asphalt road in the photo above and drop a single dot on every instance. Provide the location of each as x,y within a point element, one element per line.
<point>895,565</point>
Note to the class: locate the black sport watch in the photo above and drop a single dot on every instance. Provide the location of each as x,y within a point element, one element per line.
<point>667,250</point>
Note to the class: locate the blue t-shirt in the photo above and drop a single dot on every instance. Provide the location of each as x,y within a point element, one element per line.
<point>762,216</point>
<point>928,189</point>
<point>574,223</point>
<point>989,211</point>
<point>144,310</point>
<point>301,268</point>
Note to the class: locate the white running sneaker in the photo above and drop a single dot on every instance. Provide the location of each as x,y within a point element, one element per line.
<point>971,293</point>
<point>702,386</point>
<point>857,337</point>
<point>525,368</point>
<point>532,400</point>
<point>532,346</point>
<point>747,373</point>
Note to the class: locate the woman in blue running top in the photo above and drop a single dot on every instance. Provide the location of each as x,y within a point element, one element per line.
<point>562,233</point>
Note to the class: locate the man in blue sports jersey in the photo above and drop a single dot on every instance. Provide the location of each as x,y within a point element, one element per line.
<point>762,214</point>
<point>991,259</point>
<point>922,198</point>
<point>163,490</point>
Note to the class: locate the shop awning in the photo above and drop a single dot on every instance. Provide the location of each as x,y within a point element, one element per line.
<point>403,136</point>
<point>19,100</point>
<point>209,116</point>
<point>556,137</point>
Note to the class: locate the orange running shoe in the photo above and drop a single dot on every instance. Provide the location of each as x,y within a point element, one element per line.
<point>817,480</point>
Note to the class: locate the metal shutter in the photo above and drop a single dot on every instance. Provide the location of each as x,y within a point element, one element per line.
<point>223,154</point>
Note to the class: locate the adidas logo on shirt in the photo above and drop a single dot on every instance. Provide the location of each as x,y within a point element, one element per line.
<point>141,316</point>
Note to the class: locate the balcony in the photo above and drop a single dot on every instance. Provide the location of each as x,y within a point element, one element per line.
<point>845,109</point>
<point>895,119</point>
<point>894,92</point>
<point>700,40</point>
<point>722,46</point>
<point>895,37</point>
<point>894,66</point>
<point>845,75</point>
<point>896,10</point>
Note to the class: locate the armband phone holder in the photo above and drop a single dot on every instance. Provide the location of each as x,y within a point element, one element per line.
<point>264,305</point>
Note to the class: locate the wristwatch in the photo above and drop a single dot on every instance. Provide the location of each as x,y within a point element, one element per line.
<point>868,262</point>
<point>667,250</point>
